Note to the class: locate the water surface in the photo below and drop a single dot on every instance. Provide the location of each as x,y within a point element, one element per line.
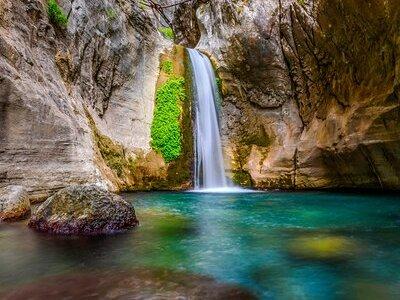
<point>312,245</point>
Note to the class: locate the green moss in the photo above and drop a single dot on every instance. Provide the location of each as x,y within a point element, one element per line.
<point>166,130</point>
<point>219,84</point>
<point>56,15</point>
<point>142,3</point>
<point>112,153</point>
<point>167,32</point>
<point>111,14</point>
<point>180,170</point>
<point>167,66</point>
<point>258,137</point>
<point>301,2</point>
<point>242,178</point>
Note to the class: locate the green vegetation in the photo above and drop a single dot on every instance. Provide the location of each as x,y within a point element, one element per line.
<point>56,15</point>
<point>242,178</point>
<point>301,2</point>
<point>142,3</point>
<point>166,130</point>
<point>257,136</point>
<point>219,84</point>
<point>167,32</point>
<point>167,66</point>
<point>111,14</point>
<point>112,153</point>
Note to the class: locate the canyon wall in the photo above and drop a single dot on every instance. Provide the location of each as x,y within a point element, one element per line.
<point>310,90</point>
<point>310,93</point>
<point>76,101</point>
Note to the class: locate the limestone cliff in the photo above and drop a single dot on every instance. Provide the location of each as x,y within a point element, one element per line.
<point>66,91</point>
<point>310,90</point>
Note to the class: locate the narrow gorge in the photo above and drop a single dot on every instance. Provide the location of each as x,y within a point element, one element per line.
<point>308,101</point>
<point>278,111</point>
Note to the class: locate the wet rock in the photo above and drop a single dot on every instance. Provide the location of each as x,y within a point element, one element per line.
<point>14,203</point>
<point>164,222</point>
<point>135,284</point>
<point>323,248</point>
<point>84,210</point>
<point>319,77</point>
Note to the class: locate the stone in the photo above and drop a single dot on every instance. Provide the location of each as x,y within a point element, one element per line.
<point>14,203</point>
<point>130,284</point>
<point>323,248</point>
<point>84,210</point>
<point>319,77</point>
<point>166,223</point>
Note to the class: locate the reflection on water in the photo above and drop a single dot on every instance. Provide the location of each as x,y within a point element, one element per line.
<point>278,245</point>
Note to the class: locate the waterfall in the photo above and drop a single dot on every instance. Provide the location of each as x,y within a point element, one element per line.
<point>209,163</point>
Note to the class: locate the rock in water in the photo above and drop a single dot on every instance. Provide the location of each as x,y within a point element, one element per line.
<point>84,210</point>
<point>14,203</point>
<point>324,248</point>
<point>130,284</point>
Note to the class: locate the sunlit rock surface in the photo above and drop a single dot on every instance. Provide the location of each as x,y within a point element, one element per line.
<point>103,67</point>
<point>14,203</point>
<point>310,90</point>
<point>83,210</point>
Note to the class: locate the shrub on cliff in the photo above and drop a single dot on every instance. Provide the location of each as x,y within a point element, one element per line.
<point>56,15</point>
<point>167,32</point>
<point>167,66</point>
<point>166,129</point>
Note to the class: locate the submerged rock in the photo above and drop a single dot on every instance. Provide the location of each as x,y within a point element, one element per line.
<point>325,248</point>
<point>84,210</point>
<point>14,203</point>
<point>135,284</point>
<point>164,222</point>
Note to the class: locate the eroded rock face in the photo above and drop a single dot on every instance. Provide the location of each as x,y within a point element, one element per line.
<point>104,65</point>
<point>14,203</point>
<point>83,210</point>
<point>310,90</point>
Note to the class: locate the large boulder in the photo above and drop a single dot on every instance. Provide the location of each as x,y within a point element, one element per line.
<point>84,210</point>
<point>14,203</point>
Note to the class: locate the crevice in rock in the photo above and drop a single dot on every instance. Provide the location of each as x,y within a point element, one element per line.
<point>371,164</point>
<point>295,161</point>
<point>287,63</point>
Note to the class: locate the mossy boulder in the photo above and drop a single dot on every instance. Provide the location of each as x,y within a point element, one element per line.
<point>84,210</point>
<point>242,178</point>
<point>14,203</point>
<point>323,248</point>
<point>166,222</point>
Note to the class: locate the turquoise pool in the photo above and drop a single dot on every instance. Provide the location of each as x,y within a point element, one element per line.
<point>311,245</point>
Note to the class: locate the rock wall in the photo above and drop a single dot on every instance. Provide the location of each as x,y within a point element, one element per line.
<point>310,90</point>
<point>58,84</point>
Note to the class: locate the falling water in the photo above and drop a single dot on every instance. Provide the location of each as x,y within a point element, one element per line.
<point>209,165</point>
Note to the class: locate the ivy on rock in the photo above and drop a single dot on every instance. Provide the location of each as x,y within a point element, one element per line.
<point>166,129</point>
